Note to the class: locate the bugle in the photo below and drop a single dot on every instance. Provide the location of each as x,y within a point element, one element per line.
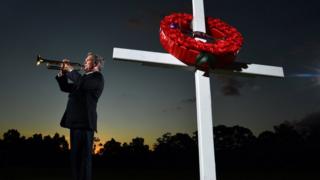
<point>57,65</point>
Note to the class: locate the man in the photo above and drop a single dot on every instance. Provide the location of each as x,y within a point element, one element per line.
<point>80,115</point>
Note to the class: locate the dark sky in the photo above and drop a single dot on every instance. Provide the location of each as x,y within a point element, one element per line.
<point>150,101</point>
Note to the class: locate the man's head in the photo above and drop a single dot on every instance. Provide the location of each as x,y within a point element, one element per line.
<point>93,62</point>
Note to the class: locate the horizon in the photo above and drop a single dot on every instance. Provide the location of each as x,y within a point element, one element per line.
<point>152,142</point>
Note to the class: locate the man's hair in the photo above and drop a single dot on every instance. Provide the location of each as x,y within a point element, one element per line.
<point>98,60</point>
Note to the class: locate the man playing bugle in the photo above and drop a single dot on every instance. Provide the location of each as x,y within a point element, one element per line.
<point>80,115</point>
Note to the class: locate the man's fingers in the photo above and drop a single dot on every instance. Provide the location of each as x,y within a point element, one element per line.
<point>65,63</point>
<point>65,60</point>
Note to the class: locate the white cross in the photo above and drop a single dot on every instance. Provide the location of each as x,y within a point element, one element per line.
<point>203,94</point>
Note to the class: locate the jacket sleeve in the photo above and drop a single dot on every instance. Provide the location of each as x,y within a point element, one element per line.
<point>74,76</point>
<point>64,85</point>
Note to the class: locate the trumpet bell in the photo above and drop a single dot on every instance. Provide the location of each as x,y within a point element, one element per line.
<point>39,60</point>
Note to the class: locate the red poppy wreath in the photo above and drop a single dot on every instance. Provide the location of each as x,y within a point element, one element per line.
<point>222,45</point>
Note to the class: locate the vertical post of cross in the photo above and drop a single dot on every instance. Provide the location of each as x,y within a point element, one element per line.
<point>204,106</point>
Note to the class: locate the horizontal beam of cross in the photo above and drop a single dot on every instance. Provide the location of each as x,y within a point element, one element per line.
<point>165,59</point>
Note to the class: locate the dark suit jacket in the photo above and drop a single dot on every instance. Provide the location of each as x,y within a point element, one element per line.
<point>84,92</point>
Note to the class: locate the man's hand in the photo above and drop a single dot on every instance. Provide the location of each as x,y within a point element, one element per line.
<point>65,66</point>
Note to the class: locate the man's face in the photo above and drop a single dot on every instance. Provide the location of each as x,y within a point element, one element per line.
<point>88,63</point>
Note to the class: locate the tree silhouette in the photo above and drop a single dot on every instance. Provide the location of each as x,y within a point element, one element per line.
<point>12,136</point>
<point>176,144</point>
<point>176,150</point>
<point>137,146</point>
<point>111,148</point>
<point>290,145</point>
<point>267,138</point>
<point>287,135</point>
<point>13,146</point>
<point>37,150</point>
<point>231,138</point>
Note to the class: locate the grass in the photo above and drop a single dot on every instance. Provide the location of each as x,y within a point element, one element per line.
<point>98,174</point>
<point>153,174</point>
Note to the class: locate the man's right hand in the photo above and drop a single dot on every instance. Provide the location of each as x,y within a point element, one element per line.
<point>63,66</point>
<point>66,65</point>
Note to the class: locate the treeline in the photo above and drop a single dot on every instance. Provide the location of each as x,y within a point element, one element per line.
<point>287,147</point>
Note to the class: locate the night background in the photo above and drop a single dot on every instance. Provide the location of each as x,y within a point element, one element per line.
<point>264,127</point>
